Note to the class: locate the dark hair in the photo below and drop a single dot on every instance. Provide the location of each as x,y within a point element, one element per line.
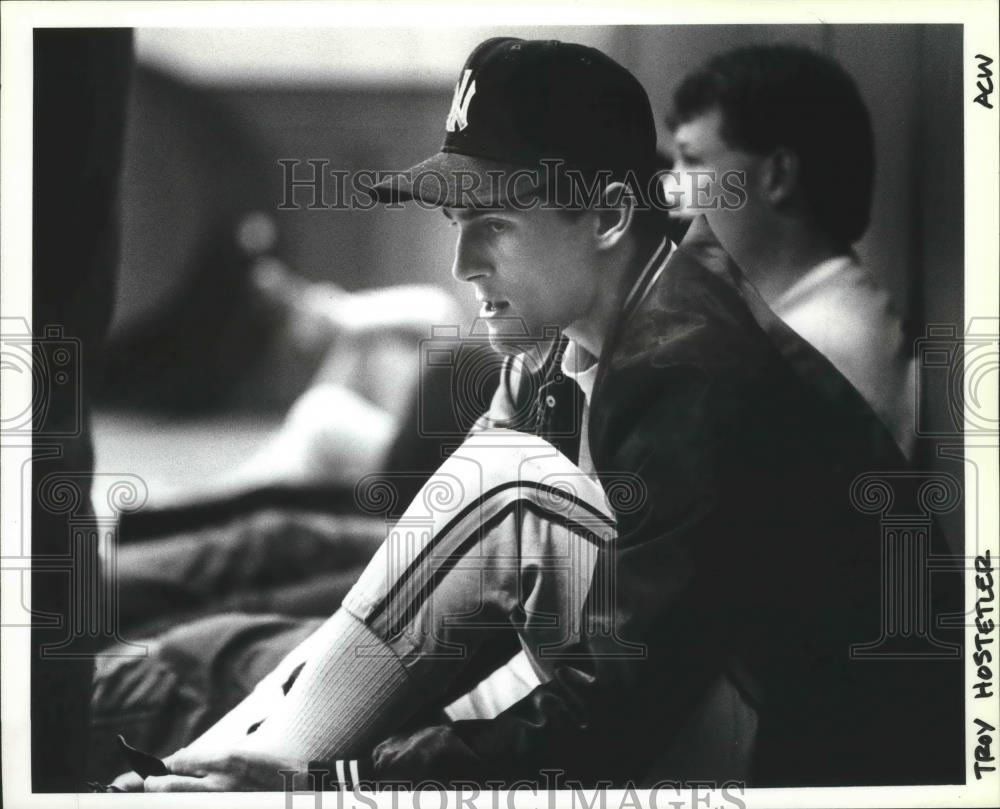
<point>786,95</point>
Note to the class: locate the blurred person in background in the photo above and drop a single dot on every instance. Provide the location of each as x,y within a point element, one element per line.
<point>794,124</point>
<point>280,532</point>
<point>241,331</point>
<point>223,319</point>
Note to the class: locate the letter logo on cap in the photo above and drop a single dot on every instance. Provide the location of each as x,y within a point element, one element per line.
<point>458,116</point>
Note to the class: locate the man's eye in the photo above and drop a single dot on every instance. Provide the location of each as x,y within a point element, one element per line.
<point>497,227</point>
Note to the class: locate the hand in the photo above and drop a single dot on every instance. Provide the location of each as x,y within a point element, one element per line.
<point>226,771</point>
<point>129,781</point>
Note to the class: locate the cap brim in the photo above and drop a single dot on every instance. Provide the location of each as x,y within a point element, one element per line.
<point>452,180</point>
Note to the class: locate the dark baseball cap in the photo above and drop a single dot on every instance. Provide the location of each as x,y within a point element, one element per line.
<point>520,102</point>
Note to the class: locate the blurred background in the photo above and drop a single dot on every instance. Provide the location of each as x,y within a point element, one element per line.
<point>221,322</point>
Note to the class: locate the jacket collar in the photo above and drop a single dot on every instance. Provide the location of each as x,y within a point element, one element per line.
<point>647,276</point>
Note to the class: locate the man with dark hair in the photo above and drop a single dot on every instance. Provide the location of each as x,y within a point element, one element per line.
<point>793,123</point>
<point>698,628</point>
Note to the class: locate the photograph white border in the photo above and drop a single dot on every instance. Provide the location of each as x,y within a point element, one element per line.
<point>982,191</point>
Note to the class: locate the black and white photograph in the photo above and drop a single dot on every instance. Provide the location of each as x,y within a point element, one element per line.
<point>454,404</point>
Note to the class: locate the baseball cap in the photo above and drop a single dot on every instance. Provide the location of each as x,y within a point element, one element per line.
<point>520,102</point>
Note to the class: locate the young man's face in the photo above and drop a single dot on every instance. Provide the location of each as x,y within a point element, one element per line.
<point>530,269</point>
<point>700,147</point>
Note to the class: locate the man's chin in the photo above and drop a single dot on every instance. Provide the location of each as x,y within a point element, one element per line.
<point>512,336</point>
<point>505,343</point>
<point>503,330</point>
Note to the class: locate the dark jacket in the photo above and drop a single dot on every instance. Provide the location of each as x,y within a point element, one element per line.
<point>739,583</point>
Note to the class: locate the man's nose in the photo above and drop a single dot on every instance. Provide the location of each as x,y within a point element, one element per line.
<point>470,262</point>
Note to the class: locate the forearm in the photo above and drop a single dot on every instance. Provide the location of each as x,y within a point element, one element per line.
<point>351,693</point>
<point>265,698</point>
<point>338,690</point>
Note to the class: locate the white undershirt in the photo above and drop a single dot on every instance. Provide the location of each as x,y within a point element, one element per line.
<point>581,366</point>
<point>840,309</point>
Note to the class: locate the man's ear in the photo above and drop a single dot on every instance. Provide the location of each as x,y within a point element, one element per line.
<point>780,178</point>
<point>614,215</point>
